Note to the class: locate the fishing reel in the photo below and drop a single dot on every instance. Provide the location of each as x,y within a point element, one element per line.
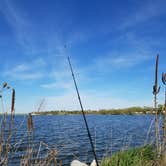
<point>164,78</point>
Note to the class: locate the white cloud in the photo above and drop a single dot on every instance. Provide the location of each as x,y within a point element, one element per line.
<point>29,34</point>
<point>120,60</point>
<point>133,50</point>
<point>128,60</point>
<point>147,11</point>
<point>19,24</point>
<point>26,71</point>
<point>20,68</point>
<point>58,85</point>
<point>61,79</point>
<point>91,101</point>
<point>26,76</point>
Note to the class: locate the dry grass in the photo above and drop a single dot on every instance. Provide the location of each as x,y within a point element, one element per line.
<point>7,132</point>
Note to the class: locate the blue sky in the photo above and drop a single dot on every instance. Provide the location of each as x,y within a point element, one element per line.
<point>112,45</point>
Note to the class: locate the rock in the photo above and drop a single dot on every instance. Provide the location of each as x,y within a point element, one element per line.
<point>77,163</point>
<point>93,163</point>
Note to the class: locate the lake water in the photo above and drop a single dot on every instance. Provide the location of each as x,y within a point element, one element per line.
<point>67,133</point>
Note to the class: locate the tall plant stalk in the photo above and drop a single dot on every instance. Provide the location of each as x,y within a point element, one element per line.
<point>12,112</point>
<point>5,141</point>
<point>156,90</point>
<point>164,117</point>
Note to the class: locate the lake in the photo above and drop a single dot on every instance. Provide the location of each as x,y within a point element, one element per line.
<point>67,133</point>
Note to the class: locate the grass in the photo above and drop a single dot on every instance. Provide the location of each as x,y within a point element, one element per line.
<point>144,156</point>
<point>9,145</point>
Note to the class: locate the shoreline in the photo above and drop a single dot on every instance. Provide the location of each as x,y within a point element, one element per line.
<point>125,111</point>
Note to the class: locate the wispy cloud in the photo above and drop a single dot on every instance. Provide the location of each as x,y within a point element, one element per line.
<point>61,79</point>
<point>32,37</point>
<point>25,76</point>
<point>90,100</point>
<point>11,14</point>
<point>129,60</point>
<point>20,68</point>
<point>19,24</point>
<point>129,51</point>
<point>57,85</point>
<point>26,71</point>
<point>148,10</point>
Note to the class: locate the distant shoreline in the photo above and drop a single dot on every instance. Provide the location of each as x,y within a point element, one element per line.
<point>125,111</point>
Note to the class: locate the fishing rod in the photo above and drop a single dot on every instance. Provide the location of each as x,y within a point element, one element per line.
<point>82,109</point>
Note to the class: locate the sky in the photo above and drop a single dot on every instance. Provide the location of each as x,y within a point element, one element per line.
<point>112,46</point>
